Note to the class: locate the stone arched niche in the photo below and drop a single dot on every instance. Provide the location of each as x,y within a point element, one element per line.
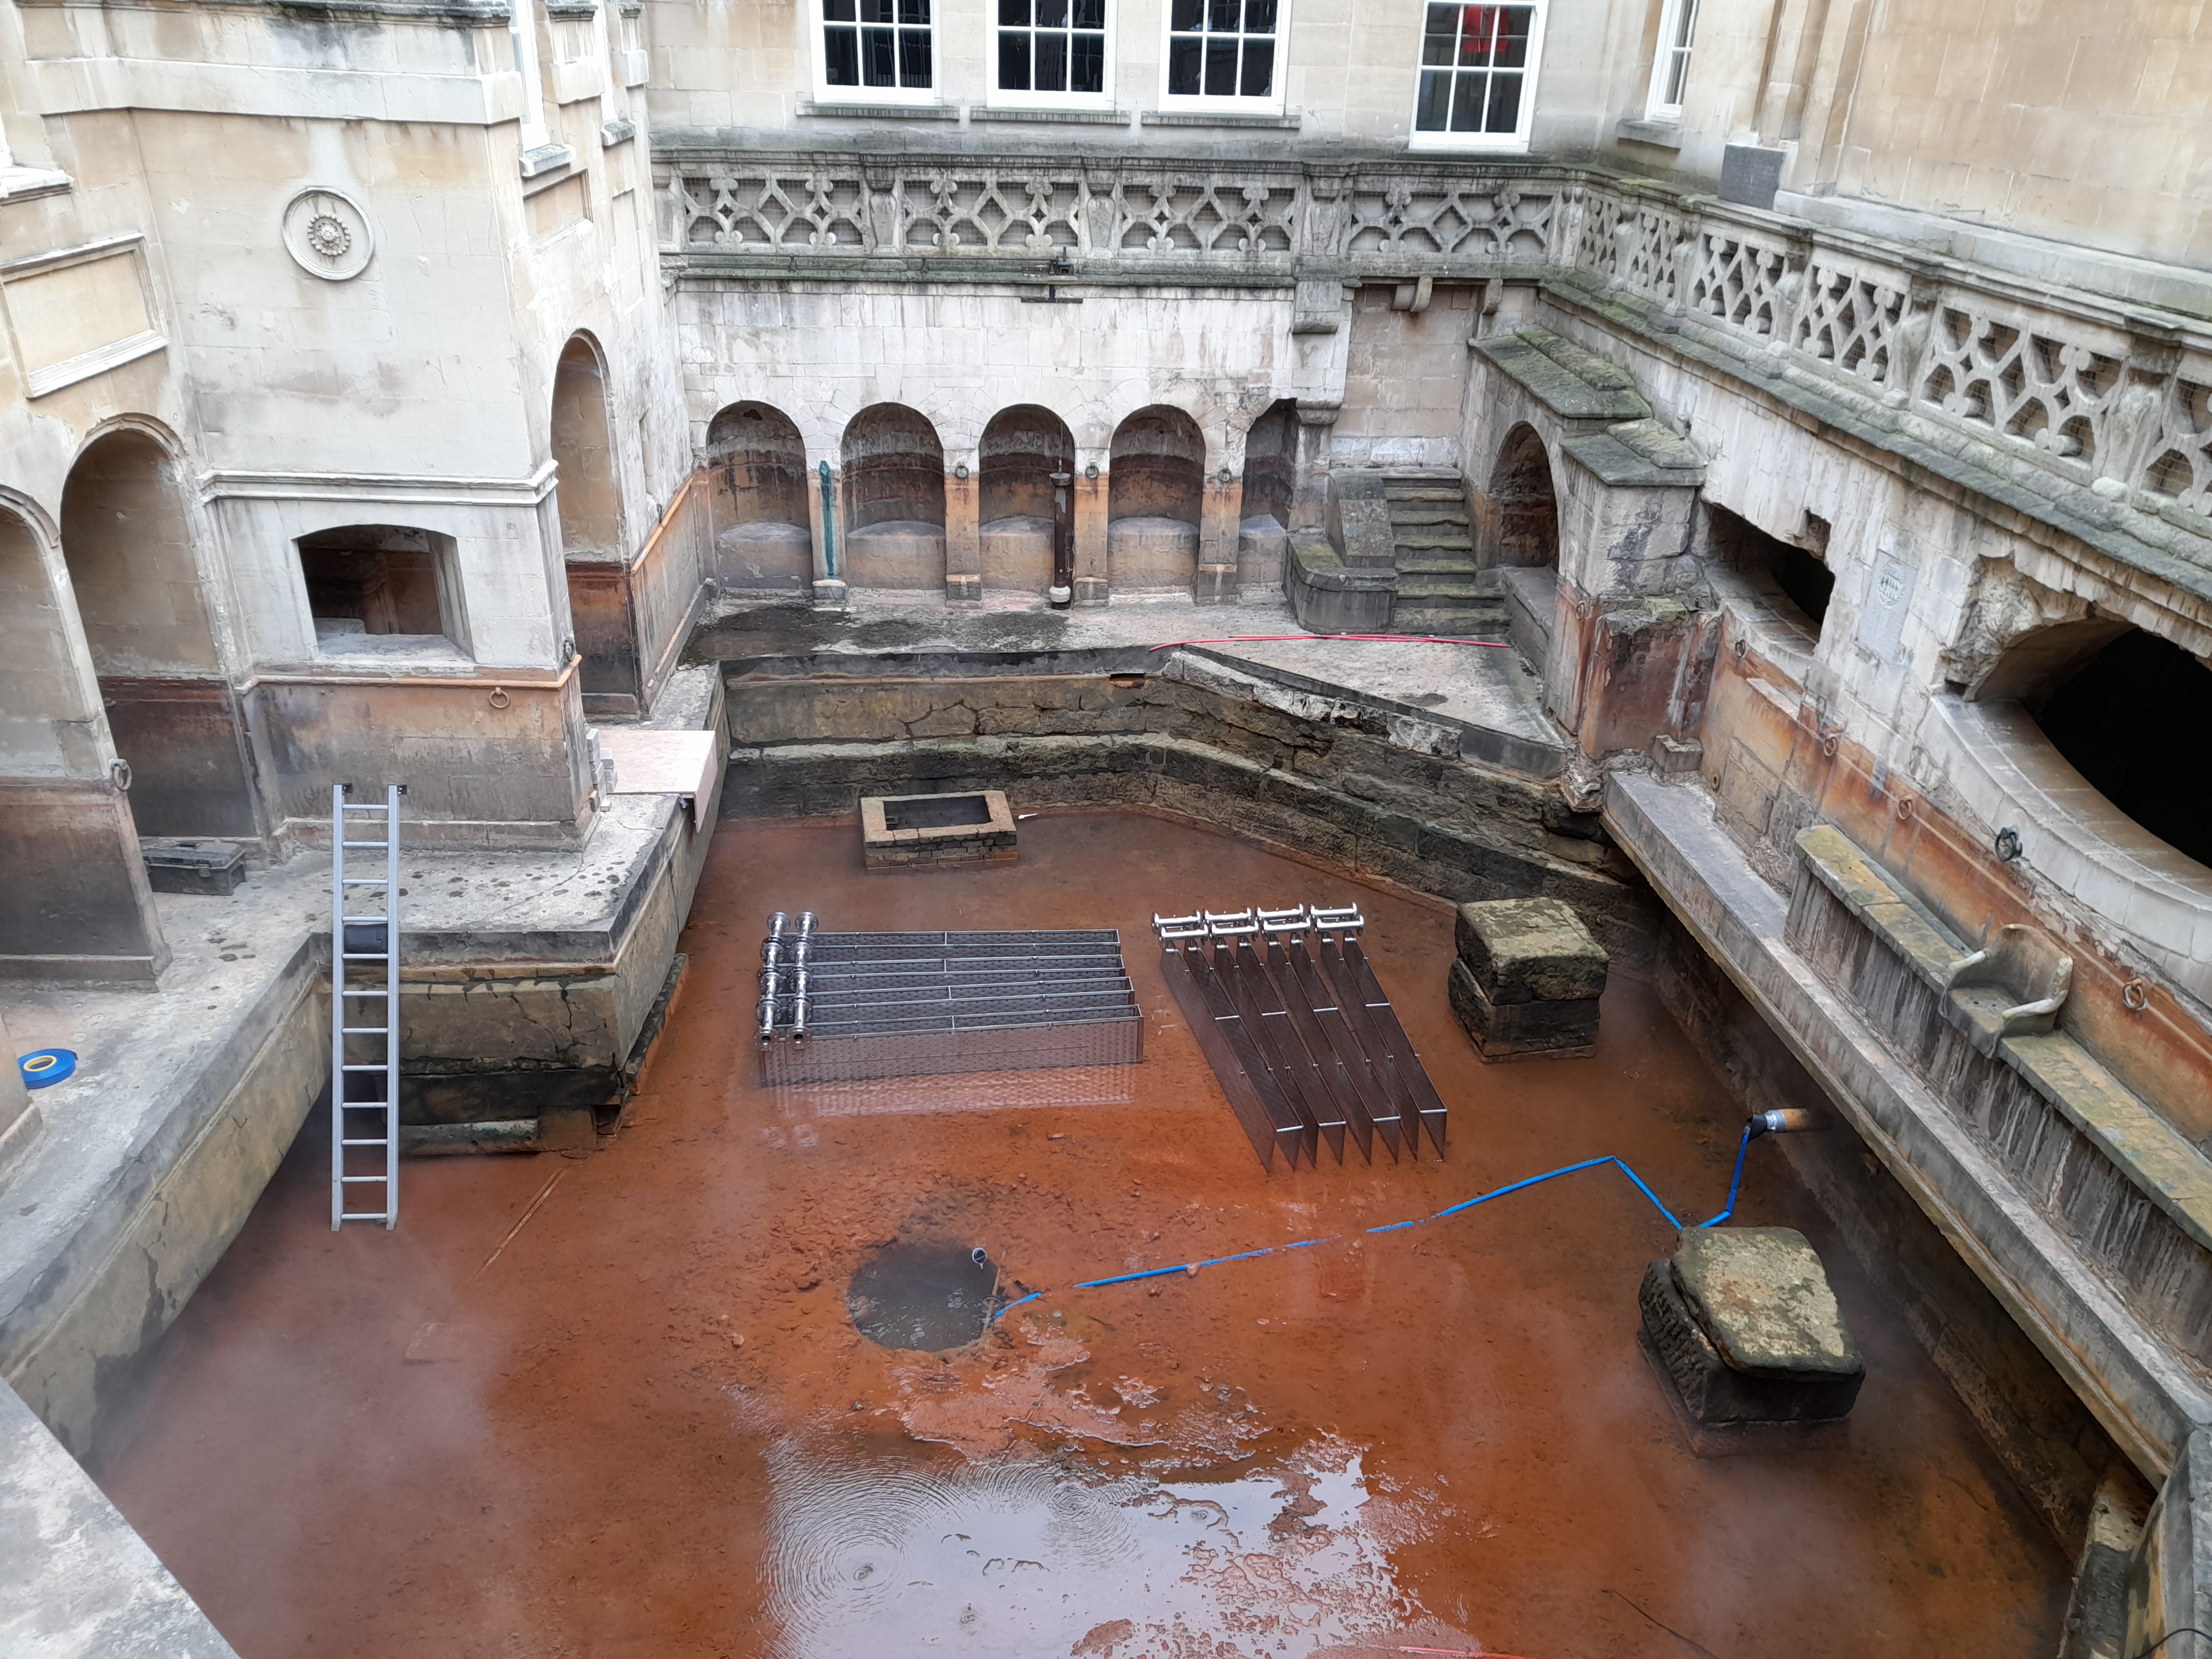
<point>1271,468</point>
<point>47,706</point>
<point>1525,505</point>
<point>380,590</point>
<point>894,491</point>
<point>2111,707</point>
<point>590,502</point>
<point>756,461</point>
<point>1156,491</point>
<point>127,540</point>
<point>1021,448</point>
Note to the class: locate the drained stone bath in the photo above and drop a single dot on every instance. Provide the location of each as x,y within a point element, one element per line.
<point>641,1401</point>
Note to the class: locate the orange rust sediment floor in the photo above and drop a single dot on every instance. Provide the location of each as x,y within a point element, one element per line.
<point>649,1427</point>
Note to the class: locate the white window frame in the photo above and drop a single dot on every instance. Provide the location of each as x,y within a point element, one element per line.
<point>1199,103</point>
<point>1020,98</point>
<point>522,35</point>
<point>1517,140</point>
<point>1678,41</point>
<point>826,93</point>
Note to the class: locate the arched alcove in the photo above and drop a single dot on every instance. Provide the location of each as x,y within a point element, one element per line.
<point>2112,709</point>
<point>1270,459</point>
<point>1023,446</point>
<point>380,589</point>
<point>583,450</point>
<point>1520,495</point>
<point>894,491</point>
<point>1794,580</point>
<point>763,538</point>
<point>127,541</point>
<point>1155,497</point>
<point>46,709</point>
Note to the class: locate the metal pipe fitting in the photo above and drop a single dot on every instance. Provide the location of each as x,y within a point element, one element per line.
<point>799,1031</point>
<point>1788,1120</point>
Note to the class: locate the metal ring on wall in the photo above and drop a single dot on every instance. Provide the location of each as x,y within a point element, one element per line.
<point>1905,806</point>
<point>2135,996</point>
<point>1832,743</point>
<point>499,697</point>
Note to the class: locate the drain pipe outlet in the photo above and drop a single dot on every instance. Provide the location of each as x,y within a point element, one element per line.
<point>1790,1120</point>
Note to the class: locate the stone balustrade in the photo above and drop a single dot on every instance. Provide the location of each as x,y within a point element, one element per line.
<point>2087,411</point>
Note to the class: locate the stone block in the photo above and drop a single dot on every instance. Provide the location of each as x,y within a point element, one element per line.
<point>1745,1329</point>
<point>1532,949</point>
<point>1522,1031</point>
<point>1149,552</point>
<point>901,832</point>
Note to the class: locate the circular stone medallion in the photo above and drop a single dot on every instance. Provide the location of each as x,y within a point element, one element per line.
<point>327,234</point>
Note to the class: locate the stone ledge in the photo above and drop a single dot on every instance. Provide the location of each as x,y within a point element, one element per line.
<point>1568,378</point>
<point>2148,1396</point>
<point>2157,1159</point>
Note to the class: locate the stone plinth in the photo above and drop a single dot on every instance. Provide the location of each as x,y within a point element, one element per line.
<point>1745,1329</point>
<point>1017,554</point>
<point>897,553</point>
<point>1527,980</point>
<point>1149,553</point>
<point>906,832</point>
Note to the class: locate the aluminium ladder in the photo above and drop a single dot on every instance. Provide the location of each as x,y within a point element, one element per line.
<point>364,1056</point>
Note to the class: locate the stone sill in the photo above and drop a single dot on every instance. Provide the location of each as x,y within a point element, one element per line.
<point>1080,118</point>
<point>23,184</point>
<point>2157,1159</point>
<point>1660,135</point>
<point>865,111</point>
<point>1185,118</point>
<point>543,159</point>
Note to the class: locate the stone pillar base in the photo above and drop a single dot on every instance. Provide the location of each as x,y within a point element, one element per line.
<point>1526,981</point>
<point>828,595</point>
<point>963,590</point>
<point>1214,584</point>
<point>1090,590</point>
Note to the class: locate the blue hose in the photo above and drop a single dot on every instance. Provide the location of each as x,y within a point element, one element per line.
<point>1736,1185</point>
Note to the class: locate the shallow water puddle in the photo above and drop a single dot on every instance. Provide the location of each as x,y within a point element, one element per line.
<point>1034,1555</point>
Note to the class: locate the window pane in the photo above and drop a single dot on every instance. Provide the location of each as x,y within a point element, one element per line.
<point>1052,63</point>
<point>914,11</point>
<point>837,11</point>
<point>1183,67</point>
<point>1686,22</point>
<point>1221,16</point>
<point>914,57</point>
<point>1258,16</point>
<point>1091,14</point>
<point>1221,68</point>
<point>875,11</point>
<point>1513,36</point>
<point>1441,40</point>
<point>1467,103</point>
<point>1013,14</point>
<point>1088,71</point>
<point>878,57</point>
<point>1478,32</point>
<point>1259,68</point>
<point>1505,103</point>
<point>1430,114</point>
<point>1014,61</point>
<point>1052,13</point>
<point>841,56</point>
<point>1677,71</point>
<point>1184,15</point>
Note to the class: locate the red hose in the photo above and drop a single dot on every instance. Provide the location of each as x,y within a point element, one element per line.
<point>1377,638</point>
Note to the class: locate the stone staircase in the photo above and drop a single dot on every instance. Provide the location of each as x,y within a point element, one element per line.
<point>1435,538</point>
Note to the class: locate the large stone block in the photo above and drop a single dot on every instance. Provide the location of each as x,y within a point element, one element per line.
<point>1531,949</point>
<point>1150,553</point>
<point>895,553</point>
<point>1745,1329</point>
<point>1518,1030</point>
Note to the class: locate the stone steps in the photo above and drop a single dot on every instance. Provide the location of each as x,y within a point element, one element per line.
<point>1416,513</point>
<point>1433,530</point>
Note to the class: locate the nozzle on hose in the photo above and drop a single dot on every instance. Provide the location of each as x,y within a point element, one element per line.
<point>1789,1119</point>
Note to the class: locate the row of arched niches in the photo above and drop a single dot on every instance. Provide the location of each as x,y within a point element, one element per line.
<point>890,497</point>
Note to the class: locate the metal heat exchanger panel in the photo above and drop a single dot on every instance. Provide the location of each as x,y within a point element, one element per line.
<point>1287,1011</point>
<point>852,1007</point>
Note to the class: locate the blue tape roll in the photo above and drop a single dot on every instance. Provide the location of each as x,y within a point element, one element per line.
<point>44,1067</point>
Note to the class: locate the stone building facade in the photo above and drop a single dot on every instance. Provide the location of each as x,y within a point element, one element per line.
<point>387,386</point>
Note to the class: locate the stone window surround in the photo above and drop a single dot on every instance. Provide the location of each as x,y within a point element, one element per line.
<point>866,97</point>
<point>1493,142</point>
<point>1273,104</point>
<point>1676,18</point>
<point>1005,97</point>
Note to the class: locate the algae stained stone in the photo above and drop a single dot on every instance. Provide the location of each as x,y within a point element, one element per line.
<point>1527,980</point>
<point>1744,1324</point>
